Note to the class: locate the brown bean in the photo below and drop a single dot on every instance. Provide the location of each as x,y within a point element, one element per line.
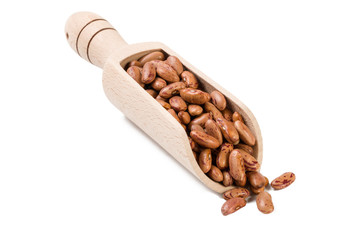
<point>148,73</point>
<point>236,166</point>
<point>178,104</point>
<point>218,100</point>
<point>215,174</point>
<point>204,140</point>
<point>135,73</point>
<point>228,130</point>
<point>195,96</point>
<point>174,114</point>
<point>236,193</point>
<point>195,155</point>
<point>152,92</point>
<point>158,84</point>
<point>205,160</point>
<point>175,63</point>
<point>256,179</point>
<point>237,117</point>
<point>267,181</point>
<point>164,104</point>
<point>223,156</point>
<point>227,114</point>
<point>194,146</point>
<point>152,56</point>
<point>257,190</point>
<point>245,133</point>
<point>264,203</point>
<point>240,183</point>
<point>283,181</point>
<point>184,117</point>
<point>209,107</point>
<point>155,63</point>
<point>196,127</point>
<point>200,120</point>
<point>172,89</point>
<point>195,110</point>
<point>134,63</point>
<point>213,130</point>
<point>161,98</point>
<point>246,148</point>
<point>250,163</point>
<point>190,79</point>
<point>166,72</point>
<point>227,179</point>
<point>232,205</point>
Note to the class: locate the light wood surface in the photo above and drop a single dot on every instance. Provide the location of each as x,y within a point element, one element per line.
<point>95,40</point>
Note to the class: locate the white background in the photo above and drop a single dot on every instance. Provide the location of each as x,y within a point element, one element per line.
<point>73,167</point>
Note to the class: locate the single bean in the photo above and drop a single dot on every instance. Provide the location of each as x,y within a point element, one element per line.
<point>215,174</point>
<point>174,114</point>
<point>213,130</point>
<point>209,107</point>
<point>135,63</point>
<point>148,73</point>
<point>235,193</point>
<point>228,130</point>
<point>152,56</point>
<point>178,104</point>
<point>264,203</point>
<point>194,146</point>
<point>175,63</point>
<point>245,133</point>
<point>246,148</point>
<point>267,182</point>
<point>194,96</point>
<point>164,104</point>
<point>195,155</point>
<point>227,114</point>
<point>223,156</point>
<point>283,181</point>
<point>135,73</point>
<point>158,84</point>
<point>205,160</point>
<point>203,139</point>
<point>250,163</point>
<point>166,72</point>
<point>190,79</point>
<point>152,92</point>
<point>218,100</point>
<point>161,98</point>
<point>232,205</point>
<point>237,117</point>
<point>236,166</point>
<point>227,179</point>
<point>172,89</point>
<point>184,117</point>
<point>195,110</point>
<point>256,179</point>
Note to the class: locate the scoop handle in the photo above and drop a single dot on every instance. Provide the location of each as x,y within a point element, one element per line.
<point>92,37</point>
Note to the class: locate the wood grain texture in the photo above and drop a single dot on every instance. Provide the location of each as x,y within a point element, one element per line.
<point>125,94</point>
<point>92,37</point>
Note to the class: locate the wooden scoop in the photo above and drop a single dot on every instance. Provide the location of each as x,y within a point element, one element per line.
<point>95,40</point>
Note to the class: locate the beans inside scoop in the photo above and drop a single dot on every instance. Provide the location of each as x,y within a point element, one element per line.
<point>221,141</point>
